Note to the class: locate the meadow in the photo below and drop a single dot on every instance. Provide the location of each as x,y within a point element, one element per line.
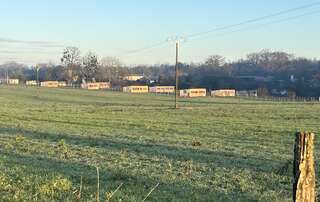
<point>212,149</point>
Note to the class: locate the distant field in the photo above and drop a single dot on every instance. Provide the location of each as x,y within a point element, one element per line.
<point>210,150</point>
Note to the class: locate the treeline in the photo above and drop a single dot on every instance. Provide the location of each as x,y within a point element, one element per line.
<point>265,70</point>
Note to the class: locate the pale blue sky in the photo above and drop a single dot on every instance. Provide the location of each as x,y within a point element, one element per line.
<point>37,30</point>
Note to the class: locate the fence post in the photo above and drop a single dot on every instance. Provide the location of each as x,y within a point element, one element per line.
<point>303,168</point>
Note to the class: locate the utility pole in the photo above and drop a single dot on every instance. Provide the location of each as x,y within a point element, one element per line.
<point>177,76</point>
<point>37,70</point>
<point>7,76</point>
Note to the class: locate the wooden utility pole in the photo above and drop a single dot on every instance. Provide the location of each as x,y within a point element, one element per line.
<point>177,76</point>
<point>98,186</point>
<point>7,75</point>
<point>37,70</point>
<point>303,169</point>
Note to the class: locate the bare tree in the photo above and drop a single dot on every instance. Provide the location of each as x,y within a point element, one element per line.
<point>110,62</point>
<point>90,66</point>
<point>71,60</point>
<point>111,69</point>
<point>269,59</point>
<point>215,61</point>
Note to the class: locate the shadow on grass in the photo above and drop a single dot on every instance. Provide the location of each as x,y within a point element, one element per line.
<point>175,153</point>
<point>215,102</point>
<point>85,123</point>
<point>135,186</point>
<point>104,99</point>
<point>101,103</point>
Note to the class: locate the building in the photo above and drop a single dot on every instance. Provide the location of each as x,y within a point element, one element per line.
<point>279,93</point>
<point>162,89</point>
<point>104,85</point>
<point>136,89</point>
<point>194,92</point>
<point>253,93</point>
<point>13,81</point>
<point>50,84</point>
<point>223,93</point>
<point>62,84</point>
<point>247,93</point>
<point>91,86</point>
<point>133,78</point>
<point>242,93</point>
<point>292,78</point>
<point>84,85</point>
<point>96,85</point>
<point>31,83</point>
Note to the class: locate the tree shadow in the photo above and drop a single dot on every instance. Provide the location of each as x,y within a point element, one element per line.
<point>135,185</point>
<point>76,123</point>
<point>214,102</point>
<point>101,103</point>
<point>222,159</point>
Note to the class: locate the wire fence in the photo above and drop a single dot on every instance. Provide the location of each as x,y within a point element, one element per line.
<point>284,99</point>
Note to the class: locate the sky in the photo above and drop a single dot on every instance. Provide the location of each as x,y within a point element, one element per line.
<point>37,31</point>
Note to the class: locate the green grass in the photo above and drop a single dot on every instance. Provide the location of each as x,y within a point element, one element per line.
<point>209,150</point>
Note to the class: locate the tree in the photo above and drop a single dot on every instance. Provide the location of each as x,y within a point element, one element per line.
<point>111,69</point>
<point>270,60</point>
<point>71,60</point>
<point>90,66</point>
<point>110,62</point>
<point>14,70</point>
<point>215,61</point>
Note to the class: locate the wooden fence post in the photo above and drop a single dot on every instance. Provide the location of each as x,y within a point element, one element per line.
<point>303,169</point>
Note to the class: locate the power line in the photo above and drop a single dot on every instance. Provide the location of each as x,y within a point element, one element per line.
<point>143,49</point>
<point>254,20</point>
<point>199,34</point>
<point>264,24</point>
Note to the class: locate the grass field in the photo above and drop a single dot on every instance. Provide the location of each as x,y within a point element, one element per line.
<point>210,150</point>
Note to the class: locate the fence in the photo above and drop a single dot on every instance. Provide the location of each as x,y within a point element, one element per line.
<point>283,99</point>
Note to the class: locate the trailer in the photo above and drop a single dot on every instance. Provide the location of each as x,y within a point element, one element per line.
<point>91,86</point>
<point>162,89</point>
<point>247,93</point>
<point>49,84</point>
<point>194,92</point>
<point>31,83</point>
<point>104,85</point>
<point>62,84</point>
<point>13,81</point>
<point>223,93</point>
<point>136,89</point>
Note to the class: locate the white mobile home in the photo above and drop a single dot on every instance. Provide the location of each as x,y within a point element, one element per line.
<point>50,84</point>
<point>136,89</point>
<point>194,92</point>
<point>162,89</point>
<point>223,93</point>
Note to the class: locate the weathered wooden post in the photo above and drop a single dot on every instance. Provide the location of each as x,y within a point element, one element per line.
<point>303,169</point>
